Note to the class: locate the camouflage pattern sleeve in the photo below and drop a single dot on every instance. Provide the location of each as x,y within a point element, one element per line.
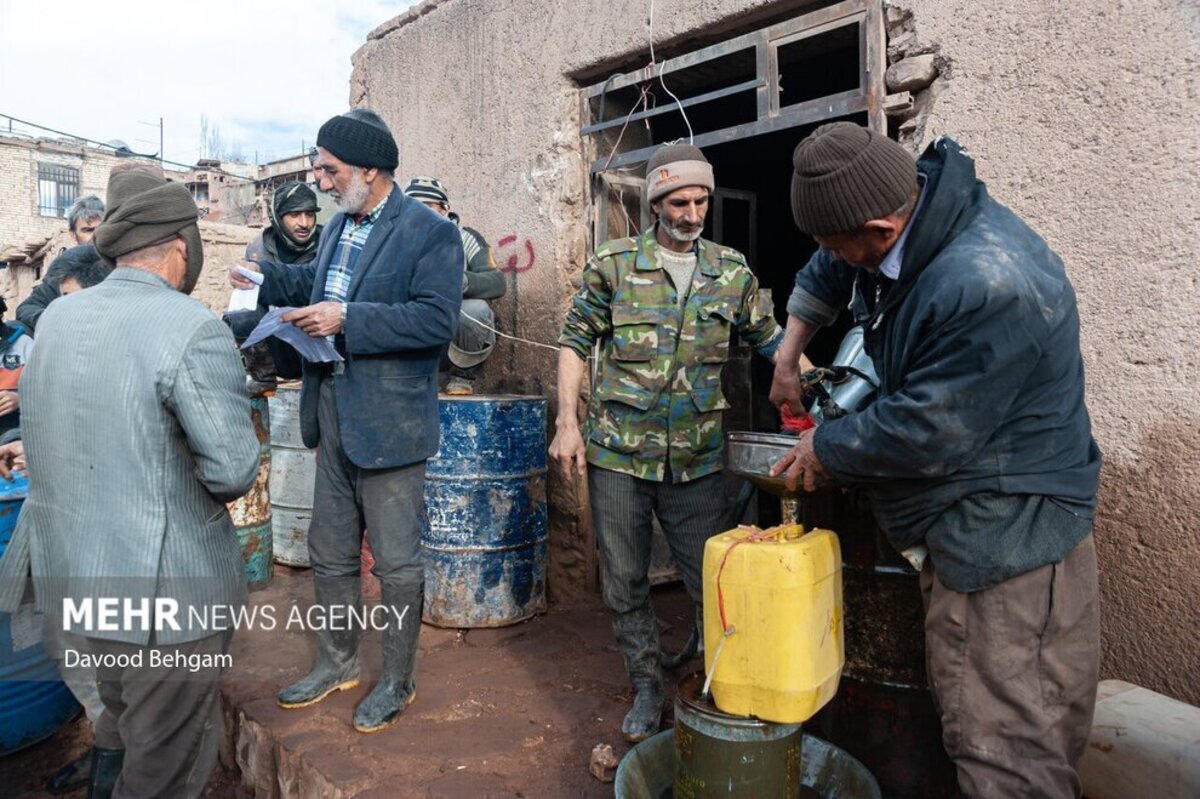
<point>589,316</point>
<point>756,318</point>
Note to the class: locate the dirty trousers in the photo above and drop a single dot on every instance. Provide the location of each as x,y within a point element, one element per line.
<point>1014,670</point>
<point>347,499</point>
<point>622,510</point>
<point>168,720</point>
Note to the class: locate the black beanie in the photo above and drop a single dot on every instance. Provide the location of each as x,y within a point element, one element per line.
<point>845,175</point>
<point>292,197</point>
<point>359,143</point>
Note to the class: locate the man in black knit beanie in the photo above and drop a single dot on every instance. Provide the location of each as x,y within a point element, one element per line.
<point>977,455</point>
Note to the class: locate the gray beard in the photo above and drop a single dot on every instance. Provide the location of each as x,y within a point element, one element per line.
<point>355,197</point>
<point>678,235</point>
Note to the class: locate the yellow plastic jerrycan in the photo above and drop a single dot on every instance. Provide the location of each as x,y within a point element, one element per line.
<point>773,641</point>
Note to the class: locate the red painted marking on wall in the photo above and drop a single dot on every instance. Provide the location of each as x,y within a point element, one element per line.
<point>513,257</point>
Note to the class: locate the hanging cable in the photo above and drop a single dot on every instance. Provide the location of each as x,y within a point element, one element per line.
<point>486,326</point>
<point>632,109</point>
<point>686,121</point>
<point>661,68</point>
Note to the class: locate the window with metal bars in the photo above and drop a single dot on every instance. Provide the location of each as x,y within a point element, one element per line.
<point>58,186</point>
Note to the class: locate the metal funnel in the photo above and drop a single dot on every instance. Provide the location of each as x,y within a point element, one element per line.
<point>751,455</point>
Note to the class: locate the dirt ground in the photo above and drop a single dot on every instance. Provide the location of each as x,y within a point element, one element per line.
<point>509,712</point>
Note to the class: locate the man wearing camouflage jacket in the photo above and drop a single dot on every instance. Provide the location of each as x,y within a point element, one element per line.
<point>663,307</point>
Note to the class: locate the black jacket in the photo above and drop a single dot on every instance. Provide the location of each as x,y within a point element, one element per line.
<point>977,350</point>
<point>270,245</point>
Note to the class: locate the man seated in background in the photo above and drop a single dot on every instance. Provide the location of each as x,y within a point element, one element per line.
<point>482,281</point>
<point>291,238</point>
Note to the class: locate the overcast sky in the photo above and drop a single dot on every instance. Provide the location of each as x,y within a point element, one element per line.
<point>266,73</point>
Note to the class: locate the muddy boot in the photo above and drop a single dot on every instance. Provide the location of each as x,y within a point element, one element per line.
<point>106,768</point>
<point>336,667</point>
<point>74,775</point>
<point>637,635</point>
<point>397,688</point>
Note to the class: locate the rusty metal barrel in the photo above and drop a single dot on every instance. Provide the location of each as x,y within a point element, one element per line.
<point>252,512</point>
<point>293,473</point>
<point>883,713</point>
<point>485,536</point>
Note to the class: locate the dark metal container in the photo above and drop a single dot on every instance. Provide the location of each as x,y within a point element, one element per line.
<point>485,497</point>
<point>826,772</point>
<point>717,754</point>
<point>883,713</point>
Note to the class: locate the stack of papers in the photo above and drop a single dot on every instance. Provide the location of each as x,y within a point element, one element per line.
<point>315,349</point>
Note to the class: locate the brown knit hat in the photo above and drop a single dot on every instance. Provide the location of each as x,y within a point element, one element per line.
<point>145,216</point>
<point>674,166</point>
<point>845,175</point>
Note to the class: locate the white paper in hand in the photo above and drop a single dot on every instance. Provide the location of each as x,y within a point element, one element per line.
<point>245,299</point>
<point>254,277</point>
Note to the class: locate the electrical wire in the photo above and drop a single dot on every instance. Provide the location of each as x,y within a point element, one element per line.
<point>116,149</point>
<point>686,121</point>
<point>661,68</point>
<point>486,326</point>
<point>643,101</point>
<point>645,93</point>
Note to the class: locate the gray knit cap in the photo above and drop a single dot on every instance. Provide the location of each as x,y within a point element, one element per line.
<point>845,175</point>
<point>674,166</point>
<point>428,190</point>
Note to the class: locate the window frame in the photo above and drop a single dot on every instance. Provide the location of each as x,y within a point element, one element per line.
<point>52,177</point>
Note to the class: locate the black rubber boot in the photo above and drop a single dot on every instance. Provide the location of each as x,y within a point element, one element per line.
<point>396,688</point>
<point>672,662</point>
<point>637,635</point>
<point>336,667</point>
<point>106,768</point>
<point>259,362</point>
<point>690,648</point>
<point>260,369</point>
<point>74,775</point>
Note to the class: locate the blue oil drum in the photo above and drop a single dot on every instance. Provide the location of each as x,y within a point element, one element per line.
<point>251,512</point>
<point>34,702</point>
<point>485,537</point>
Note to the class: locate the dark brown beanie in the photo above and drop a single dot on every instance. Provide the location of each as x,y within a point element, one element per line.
<point>845,175</point>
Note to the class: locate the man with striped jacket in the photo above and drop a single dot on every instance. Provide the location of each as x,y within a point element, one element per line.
<point>482,281</point>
